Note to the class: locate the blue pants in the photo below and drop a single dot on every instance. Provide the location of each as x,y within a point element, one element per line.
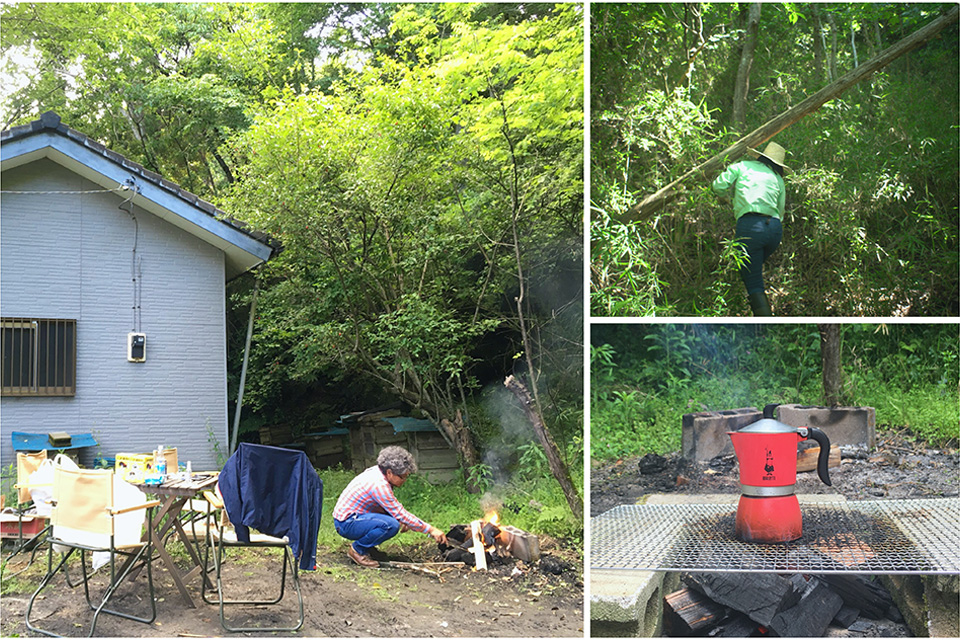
<point>368,530</point>
<point>761,236</point>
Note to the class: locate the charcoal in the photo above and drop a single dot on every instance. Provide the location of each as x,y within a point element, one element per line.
<point>761,596</point>
<point>737,626</point>
<point>549,564</point>
<point>871,598</point>
<point>809,618</point>
<point>652,463</point>
<point>846,616</point>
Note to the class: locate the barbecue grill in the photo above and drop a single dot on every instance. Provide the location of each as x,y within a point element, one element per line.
<point>875,537</point>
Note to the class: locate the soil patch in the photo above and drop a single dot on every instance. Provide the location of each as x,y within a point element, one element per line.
<point>512,599</point>
<point>896,469</point>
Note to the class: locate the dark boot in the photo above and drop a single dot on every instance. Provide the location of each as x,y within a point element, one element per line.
<point>759,304</point>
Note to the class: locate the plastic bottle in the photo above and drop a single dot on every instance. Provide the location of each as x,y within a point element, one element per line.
<point>160,465</point>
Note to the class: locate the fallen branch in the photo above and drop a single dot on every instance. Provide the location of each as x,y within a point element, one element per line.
<point>653,203</point>
<point>424,567</point>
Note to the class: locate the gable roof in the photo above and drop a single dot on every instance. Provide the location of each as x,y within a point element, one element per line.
<point>49,138</point>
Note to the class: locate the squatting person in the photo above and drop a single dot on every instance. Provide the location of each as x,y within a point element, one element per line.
<point>368,513</point>
<point>757,190</point>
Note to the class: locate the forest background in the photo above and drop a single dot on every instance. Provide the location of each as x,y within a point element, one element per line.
<point>422,167</point>
<point>644,377</point>
<point>871,227</point>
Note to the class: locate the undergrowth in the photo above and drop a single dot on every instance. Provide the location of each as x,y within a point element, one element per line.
<point>645,379</point>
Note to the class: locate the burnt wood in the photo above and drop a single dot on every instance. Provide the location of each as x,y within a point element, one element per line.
<point>807,458</point>
<point>809,618</point>
<point>761,596</point>
<point>688,612</point>
<point>858,592</point>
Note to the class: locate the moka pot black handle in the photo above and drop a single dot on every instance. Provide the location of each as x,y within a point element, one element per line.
<point>824,458</point>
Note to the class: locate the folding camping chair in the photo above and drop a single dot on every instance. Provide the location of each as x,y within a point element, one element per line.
<point>32,521</point>
<point>96,511</point>
<point>278,492</point>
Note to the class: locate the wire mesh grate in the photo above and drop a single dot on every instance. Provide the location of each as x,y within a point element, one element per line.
<point>876,537</point>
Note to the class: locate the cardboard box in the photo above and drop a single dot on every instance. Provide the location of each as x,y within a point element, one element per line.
<point>134,467</point>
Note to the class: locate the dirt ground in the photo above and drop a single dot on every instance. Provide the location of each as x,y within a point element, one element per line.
<point>896,469</point>
<point>512,599</point>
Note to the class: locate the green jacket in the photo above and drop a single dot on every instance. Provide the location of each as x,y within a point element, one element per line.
<point>755,187</point>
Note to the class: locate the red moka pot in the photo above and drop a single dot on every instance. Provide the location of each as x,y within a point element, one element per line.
<point>768,510</point>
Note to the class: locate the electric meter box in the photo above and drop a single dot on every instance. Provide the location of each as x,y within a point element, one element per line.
<point>136,347</point>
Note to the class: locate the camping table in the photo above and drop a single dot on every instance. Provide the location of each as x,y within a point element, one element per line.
<point>174,494</point>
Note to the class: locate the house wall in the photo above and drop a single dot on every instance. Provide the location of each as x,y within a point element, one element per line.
<point>69,256</point>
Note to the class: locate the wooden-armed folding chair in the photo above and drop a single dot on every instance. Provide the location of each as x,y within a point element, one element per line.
<point>277,492</point>
<point>95,511</point>
<point>32,526</point>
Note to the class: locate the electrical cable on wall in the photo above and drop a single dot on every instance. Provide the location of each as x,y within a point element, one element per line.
<point>136,262</point>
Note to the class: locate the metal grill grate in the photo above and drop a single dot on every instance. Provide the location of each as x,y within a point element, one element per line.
<point>882,536</point>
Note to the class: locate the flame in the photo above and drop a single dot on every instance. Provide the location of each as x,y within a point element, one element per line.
<point>493,518</point>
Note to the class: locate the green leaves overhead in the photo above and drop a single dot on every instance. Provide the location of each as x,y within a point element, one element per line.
<point>393,192</point>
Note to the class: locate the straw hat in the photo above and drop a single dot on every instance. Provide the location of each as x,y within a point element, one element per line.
<point>773,152</point>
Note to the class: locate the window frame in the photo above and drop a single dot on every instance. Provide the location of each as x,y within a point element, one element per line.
<point>59,363</point>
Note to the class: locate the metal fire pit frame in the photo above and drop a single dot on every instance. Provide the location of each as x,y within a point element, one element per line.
<point>875,537</point>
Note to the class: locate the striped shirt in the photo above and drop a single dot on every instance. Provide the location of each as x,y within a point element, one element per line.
<point>370,492</point>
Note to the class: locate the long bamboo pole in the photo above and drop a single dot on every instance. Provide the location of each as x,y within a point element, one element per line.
<point>653,203</point>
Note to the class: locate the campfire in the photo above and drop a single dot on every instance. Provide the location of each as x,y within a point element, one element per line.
<point>486,542</point>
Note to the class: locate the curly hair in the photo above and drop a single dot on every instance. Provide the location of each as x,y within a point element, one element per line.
<point>396,459</point>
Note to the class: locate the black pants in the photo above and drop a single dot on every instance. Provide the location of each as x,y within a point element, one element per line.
<point>761,236</point>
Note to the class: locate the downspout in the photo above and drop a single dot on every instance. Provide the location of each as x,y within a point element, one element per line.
<point>243,369</point>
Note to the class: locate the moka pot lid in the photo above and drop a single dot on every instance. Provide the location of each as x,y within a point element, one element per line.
<point>768,425</point>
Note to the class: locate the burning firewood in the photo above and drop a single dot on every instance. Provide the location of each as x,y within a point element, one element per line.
<point>486,542</point>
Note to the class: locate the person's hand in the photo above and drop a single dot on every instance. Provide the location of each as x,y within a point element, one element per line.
<point>438,535</point>
<point>404,528</point>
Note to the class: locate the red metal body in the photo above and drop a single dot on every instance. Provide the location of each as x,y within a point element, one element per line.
<point>766,459</point>
<point>776,519</point>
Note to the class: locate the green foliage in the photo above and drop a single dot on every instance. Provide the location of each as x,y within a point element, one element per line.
<point>397,192</point>
<point>650,375</point>
<point>871,210</point>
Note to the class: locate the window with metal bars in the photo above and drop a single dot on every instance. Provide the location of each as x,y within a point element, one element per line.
<point>38,357</point>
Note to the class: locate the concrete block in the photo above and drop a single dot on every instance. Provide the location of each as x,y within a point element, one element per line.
<point>843,425</point>
<point>943,619</point>
<point>928,604</point>
<point>704,434</point>
<point>625,603</point>
<point>520,544</point>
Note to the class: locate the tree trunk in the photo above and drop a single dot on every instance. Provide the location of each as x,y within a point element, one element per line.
<point>742,85</point>
<point>557,467</point>
<point>817,44</point>
<point>464,445</point>
<point>694,49</point>
<point>830,360</point>
<point>653,203</point>
<point>833,45</point>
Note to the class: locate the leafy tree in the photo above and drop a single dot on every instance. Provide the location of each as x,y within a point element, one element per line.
<point>424,207</point>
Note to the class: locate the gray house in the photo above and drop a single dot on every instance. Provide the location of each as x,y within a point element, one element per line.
<point>112,299</point>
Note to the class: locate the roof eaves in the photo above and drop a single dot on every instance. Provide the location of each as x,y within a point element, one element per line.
<point>51,121</point>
